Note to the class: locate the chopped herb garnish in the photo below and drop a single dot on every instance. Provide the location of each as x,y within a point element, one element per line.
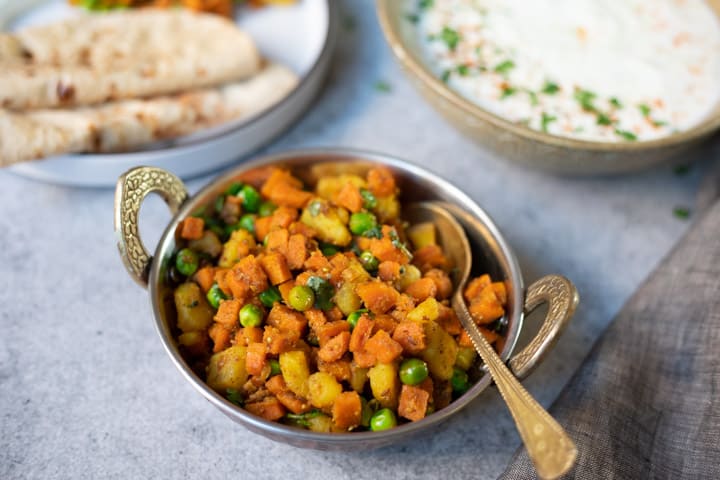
<point>374,232</point>
<point>681,170</point>
<point>412,18</point>
<point>234,396</point>
<point>302,418</point>
<point>445,76</point>
<point>381,86</point>
<point>423,4</point>
<point>550,88</point>
<point>615,102</point>
<point>546,120</point>
<point>626,135</point>
<point>504,67</point>
<point>314,208</point>
<point>585,98</point>
<point>644,109</point>
<point>450,37</point>
<point>603,119</point>
<point>533,98</point>
<point>324,292</point>
<point>463,70</point>
<point>659,123</point>
<point>682,213</point>
<point>369,200</point>
<point>507,91</point>
<point>399,245</point>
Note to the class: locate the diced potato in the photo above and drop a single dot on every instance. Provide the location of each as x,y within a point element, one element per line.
<point>428,310</point>
<point>358,377</point>
<point>196,343</point>
<point>355,273</point>
<point>329,222</point>
<point>422,234</point>
<point>328,187</point>
<point>409,275</point>
<point>209,243</point>
<point>465,358</point>
<point>441,351</point>
<point>227,369</point>
<point>387,209</point>
<point>320,423</point>
<point>346,299</point>
<point>238,246</point>
<point>323,389</point>
<point>295,370</point>
<point>385,384</point>
<point>193,311</point>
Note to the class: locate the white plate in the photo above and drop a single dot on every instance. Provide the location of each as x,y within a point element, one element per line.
<point>300,36</point>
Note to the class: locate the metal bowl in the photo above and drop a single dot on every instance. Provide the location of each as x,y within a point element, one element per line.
<point>491,251</point>
<point>519,143</point>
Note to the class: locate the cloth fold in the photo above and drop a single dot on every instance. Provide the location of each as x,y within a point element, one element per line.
<point>646,401</point>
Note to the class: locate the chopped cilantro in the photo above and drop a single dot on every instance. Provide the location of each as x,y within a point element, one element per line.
<point>445,76</point>
<point>626,135</point>
<point>324,292</point>
<point>550,88</point>
<point>412,18</point>
<point>463,70</point>
<point>507,91</point>
<point>382,86</point>
<point>585,98</point>
<point>374,232</point>
<point>533,98</point>
<point>615,102</point>
<point>423,4</point>
<point>682,213</point>
<point>603,119</point>
<point>450,37</point>
<point>302,418</point>
<point>659,123</point>
<point>546,120</point>
<point>504,67</point>
<point>369,200</point>
<point>234,396</point>
<point>644,109</point>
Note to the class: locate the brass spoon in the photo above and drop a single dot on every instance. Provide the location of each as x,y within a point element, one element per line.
<point>549,447</point>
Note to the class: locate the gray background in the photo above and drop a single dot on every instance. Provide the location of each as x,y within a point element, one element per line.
<point>86,390</point>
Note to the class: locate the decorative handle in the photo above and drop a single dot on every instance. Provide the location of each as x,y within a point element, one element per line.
<point>562,299</point>
<point>132,188</point>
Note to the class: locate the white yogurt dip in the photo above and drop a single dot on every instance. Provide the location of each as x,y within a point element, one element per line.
<point>602,70</point>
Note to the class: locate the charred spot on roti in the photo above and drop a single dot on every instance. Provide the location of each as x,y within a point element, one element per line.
<point>65,92</point>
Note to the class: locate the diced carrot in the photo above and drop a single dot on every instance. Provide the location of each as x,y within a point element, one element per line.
<point>413,402</point>
<point>317,261</point>
<point>385,251</point>
<point>283,217</point>
<point>422,289</point>
<point>285,290</point>
<point>221,278</point>
<point>331,329</point>
<point>296,251</point>
<point>429,257</point>
<point>192,228</point>
<point>278,341</point>
<point>361,333</point>
<point>220,337</point>
<point>442,282</point>
<point>262,227</point>
<point>426,385</point>
<point>287,319</point>
<point>268,408</point>
<point>334,314</point>
<point>490,335</point>
<point>276,268</point>
<point>299,228</point>
<point>464,340</point>
<point>347,410</point>
<point>248,335</point>
<point>364,359</point>
<point>340,369</point>
<point>385,322</point>
<point>276,385</point>
<point>381,181</point>
<point>249,270</point>
<point>256,176</point>
<point>476,286</point>
<point>338,262</point>
<point>388,271</point>
<point>363,243</point>
<point>411,336</point>
<point>449,321</point>
<point>486,308</point>
<point>378,297</point>
<point>227,314</point>
<point>205,277</point>
<point>315,317</point>
<point>255,358</point>
<point>500,291</point>
<point>277,241</point>
<point>383,347</point>
<point>335,348</point>
<point>283,189</point>
<point>349,197</point>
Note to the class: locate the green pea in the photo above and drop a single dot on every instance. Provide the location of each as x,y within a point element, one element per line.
<point>215,295</point>
<point>383,419</point>
<point>361,222</point>
<point>234,188</point>
<point>250,315</point>
<point>270,296</point>
<point>369,200</point>
<point>353,318</point>
<point>328,249</point>
<point>251,199</point>
<point>266,209</point>
<point>301,298</point>
<point>368,261</point>
<point>247,222</point>
<point>413,371</point>
<point>186,262</point>
<point>274,367</point>
<point>459,381</point>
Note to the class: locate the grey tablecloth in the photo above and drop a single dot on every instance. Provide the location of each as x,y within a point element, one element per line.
<point>646,402</point>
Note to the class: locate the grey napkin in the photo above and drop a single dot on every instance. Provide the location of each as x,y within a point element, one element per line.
<point>646,401</point>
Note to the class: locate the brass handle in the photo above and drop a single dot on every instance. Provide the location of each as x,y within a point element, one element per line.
<point>562,299</point>
<point>132,188</point>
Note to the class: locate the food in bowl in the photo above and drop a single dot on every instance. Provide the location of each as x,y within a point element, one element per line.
<point>610,71</point>
<point>321,308</point>
<point>220,7</point>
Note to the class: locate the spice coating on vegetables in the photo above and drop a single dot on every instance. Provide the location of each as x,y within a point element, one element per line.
<point>321,308</point>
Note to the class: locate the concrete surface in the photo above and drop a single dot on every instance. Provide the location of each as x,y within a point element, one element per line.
<point>86,390</point>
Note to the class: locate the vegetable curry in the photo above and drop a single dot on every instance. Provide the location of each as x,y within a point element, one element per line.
<point>322,309</point>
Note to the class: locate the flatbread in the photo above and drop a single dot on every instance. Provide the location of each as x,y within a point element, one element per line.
<point>96,58</point>
<point>131,124</point>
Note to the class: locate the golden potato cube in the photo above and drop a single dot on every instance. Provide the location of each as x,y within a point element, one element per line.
<point>358,377</point>
<point>323,389</point>
<point>385,384</point>
<point>328,187</point>
<point>422,235</point>
<point>346,299</point>
<point>441,351</point>
<point>428,310</point>
<point>194,314</point>
<point>236,248</point>
<point>329,222</point>
<point>227,369</point>
<point>387,209</point>
<point>465,357</point>
<point>409,275</point>
<point>295,371</point>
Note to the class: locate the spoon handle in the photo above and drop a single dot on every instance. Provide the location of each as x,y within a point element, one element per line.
<point>548,445</point>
